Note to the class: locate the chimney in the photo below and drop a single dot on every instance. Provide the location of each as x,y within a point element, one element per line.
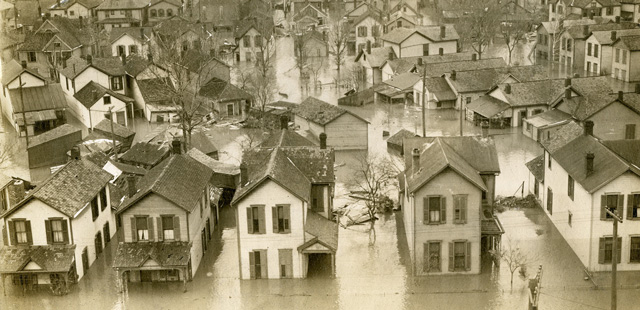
<point>567,82</point>
<point>567,93</point>
<point>613,35</point>
<point>244,175</point>
<point>64,62</point>
<point>142,33</point>
<point>441,51</point>
<point>75,152</point>
<point>284,122</point>
<point>588,128</point>
<point>620,96</point>
<point>124,59</point>
<point>415,160</point>
<point>585,30</point>
<point>507,89</point>
<point>323,141</point>
<point>637,88</point>
<point>368,47</point>
<point>150,57</point>
<point>443,31</point>
<point>391,55</point>
<point>131,185</point>
<point>474,56</point>
<point>39,11</point>
<point>80,20</point>
<point>89,59</point>
<point>419,61</point>
<point>176,147</point>
<point>485,129</point>
<point>453,75</point>
<point>590,14</point>
<point>23,64</point>
<point>590,158</point>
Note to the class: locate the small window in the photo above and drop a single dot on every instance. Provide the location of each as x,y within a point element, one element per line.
<point>160,13</point>
<point>116,83</point>
<point>142,228</point>
<point>133,49</point>
<point>605,255</point>
<point>95,210</point>
<point>72,13</point>
<point>22,230</point>
<point>634,251</point>
<point>570,185</point>
<point>169,12</point>
<point>31,56</point>
<point>167,227</point>
<point>549,200</point>
<point>56,45</point>
<point>589,47</point>
<point>630,131</point>
<point>570,217</point>
<point>611,202</point>
<point>617,55</point>
<point>425,49</point>
<point>106,99</point>
<point>432,256</point>
<point>281,219</point>
<point>595,50</point>
<point>548,156</point>
<point>609,10</point>
<point>113,12</point>
<point>154,13</point>
<point>103,198</point>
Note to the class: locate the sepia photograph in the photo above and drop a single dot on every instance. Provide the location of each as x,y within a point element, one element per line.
<point>320,154</point>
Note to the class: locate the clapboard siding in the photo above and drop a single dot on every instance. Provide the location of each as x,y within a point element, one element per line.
<point>154,206</point>
<point>347,132</point>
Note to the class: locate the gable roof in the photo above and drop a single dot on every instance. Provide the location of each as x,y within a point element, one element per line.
<point>145,153</point>
<point>111,66</point>
<point>438,69</point>
<point>324,231</point>
<point>320,112</point>
<point>398,35</point>
<point>440,88</point>
<point>92,92</point>
<point>377,57</point>
<point>123,4</point>
<point>405,64</point>
<point>631,43</point>
<point>133,32</point>
<point>52,134</point>
<point>202,142</point>
<point>367,14</point>
<point>47,97</point>
<point>562,136</point>
<point>485,79</point>
<point>179,179</point>
<point>51,258</point>
<point>215,165</point>
<point>166,254</point>
<point>12,69</point>
<point>36,41</point>
<point>604,37</point>
<point>550,118</point>
<point>285,138</point>
<point>65,4</point>
<point>119,130</point>
<point>479,152</point>
<point>156,90</point>
<point>403,81</point>
<point>221,91</point>
<point>72,32</point>
<point>627,149</point>
<point>536,167</point>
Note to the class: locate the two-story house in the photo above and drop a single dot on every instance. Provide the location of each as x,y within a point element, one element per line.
<point>422,41</point>
<point>599,50</point>
<point>114,13</point>
<point>309,17</point>
<point>368,30</point>
<point>447,199</point>
<point>167,222</point>
<point>571,9</point>
<point>583,177</point>
<point>626,51</point>
<point>372,60</point>
<point>251,42</point>
<point>160,10</point>
<point>630,11</point>
<point>94,103</point>
<point>74,8</point>
<point>130,40</point>
<point>283,209</point>
<point>60,228</point>
<point>108,72</point>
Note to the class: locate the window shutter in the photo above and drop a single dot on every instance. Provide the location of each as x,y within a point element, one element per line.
<point>289,263</point>
<point>250,221</point>
<point>620,209</point>
<point>12,233</point>
<point>603,204</point>
<point>601,252</point>
<point>287,218</point>
<point>274,218</point>
<point>47,227</point>
<point>467,255</point>
<point>619,246</point>
<point>252,265</point>
<point>150,228</point>
<point>27,224</point>
<point>629,207</point>
<point>425,210</point>
<point>263,260</point>
<point>282,261</point>
<point>65,231</point>
<point>5,240</point>
<point>160,232</point>
<point>443,210</point>
<point>425,257</point>
<point>134,233</point>
<point>451,256</point>
<point>262,229</point>
<point>463,211</point>
<point>176,228</point>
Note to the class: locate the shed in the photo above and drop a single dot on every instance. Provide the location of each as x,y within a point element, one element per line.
<point>50,148</point>
<point>122,133</point>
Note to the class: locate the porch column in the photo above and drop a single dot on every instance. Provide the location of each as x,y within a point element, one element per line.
<point>333,265</point>
<point>4,286</point>
<point>65,276</point>
<point>184,280</point>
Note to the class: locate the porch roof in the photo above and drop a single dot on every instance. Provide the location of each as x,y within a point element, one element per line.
<point>51,258</point>
<point>323,231</point>
<point>487,106</point>
<point>135,254</point>
<point>492,226</point>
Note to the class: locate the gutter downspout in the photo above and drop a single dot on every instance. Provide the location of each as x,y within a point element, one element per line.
<point>239,240</point>
<point>188,230</point>
<point>590,232</point>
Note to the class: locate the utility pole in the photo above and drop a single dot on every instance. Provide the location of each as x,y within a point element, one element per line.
<point>461,134</point>
<point>24,114</point>
<point>424,99</point>
<point>113,135</point>
<point>614,258</point>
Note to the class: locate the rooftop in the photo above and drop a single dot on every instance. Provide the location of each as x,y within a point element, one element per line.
<point>166,254</point>
<point>119,130</point>
<point>319,111</point>
<point>377,57</point>
<point>549,118</point>
<point>52,134</point>
<point>47,97</point>
<point>398,35</point>
<point>221,91</point>
<point>92,92</point>
<point>438,69</point>
<point>148,154</point>
<point>536,167</point>
<point>51,258</point>
<point>111,66</point>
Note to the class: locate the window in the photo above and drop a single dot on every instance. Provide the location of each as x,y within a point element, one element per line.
<point>570,217</point>
<point>202,202</point>
<point>459,256</point>
<point>609,10</point>
<point>281,218</point>
<point>67,79</point>
<point>285,257</point>
<point>103,198</point>
<point>605,255</point>
<point>595,50</point>
<point>20,232</point>
<point>116,83</point>
<point>617,55</point>
<point>568,61</point>
<point>361,47</point>
<point>257,40</point>
<point>570,187</point>
<point>595,68</point>
<point>434,210</point>
<point>634,251</point>
<point>569,45</point>
<point>31,56</point>
<point>258,264</point>
<point>460,209</point>
<point>246,41</point>
<point>56,231</point>
<point>95,211</point>
<point>56,45</point>
<point>121,12</point>
<point>432,256</point>
<point>169,12</point>
<point>560,9</point>
<point>72,13</point>
<point>133,49</point>
<point>167,228</point>
<point>611,202</point>
<point>160,13</point>
<point>425,49</point>
<point>633,206</point>
<point>589,47</point>
<point>106,99</point>
<point>113,12</point>
<point>564,43</point>
<point>549,160</point>
<point>362,31</point>
<point>553,9</point>
<point>624,57</point>
<point>375,31</point>
<point>106,231</point>
<point>255,219</point>
<point>588,66</point>
<point>549,200</point>
<point>630,131</point>
<point>154,13</point>
<point>142,228</point>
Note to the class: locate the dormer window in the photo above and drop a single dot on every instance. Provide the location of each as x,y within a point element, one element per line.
<point>116,83</point>
<point>106,100</point>
<point>56,45</point>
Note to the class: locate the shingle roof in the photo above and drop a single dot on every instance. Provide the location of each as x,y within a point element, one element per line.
<point>562,136</point>
<point>145,153</point>
<point>285,138</point>
<point>631,43</point>
<point>403,81</point>
<point>222,91</point>
<point>479,152</point>
<point>536,167</point>
<point>553,117</point>
<point>135,64</point>
<point>179,179</point>
<point>35,41</point>
<point>440,88</point>
<point>92,92</point>
<point>377,57</point>
<point>123,4</point>
<point>166,254</point>
<point>319,111</point>
<point>366,15</point>
<point>604,37</point>
<point>627,149</point>
<point>52,134</point>
<point>156,90</point>
<point>47,97</point>
<point>215,165</point>
<point>133,32</point>
<point>398,35</point>
<point>119,130</point>
<point>404,64</point>
<point>12,69</point>
<point>202,142</point>
<point>399,136</point>
<point>484,79</point>
<point>66,4</point>
<point>323,229</point>
<point>51,258</point>
<point>109,65</point>
<point>438,69</point>
<point>487,106</point>
<point>531,93</point>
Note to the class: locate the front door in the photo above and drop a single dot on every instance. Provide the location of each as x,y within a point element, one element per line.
<point>85,261</point>
<point>98,243</point>
<point>145,276</point>
<point>523,115</point>
<point>230,109</point>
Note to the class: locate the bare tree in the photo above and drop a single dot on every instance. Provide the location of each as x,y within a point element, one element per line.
<point>315,68</point>
<point>263,89</point>
<point>515,259</point>
<point>266,45</point>
<point>353,79</point>
<point>8,150</point>
<point>241,77</point>
<point>373,177</point>
<point>338,36</point>
<point>513,33</point>
<point>300,52</point>
<point>478,23</point>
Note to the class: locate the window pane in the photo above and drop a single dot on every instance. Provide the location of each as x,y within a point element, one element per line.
<point>434,209</point>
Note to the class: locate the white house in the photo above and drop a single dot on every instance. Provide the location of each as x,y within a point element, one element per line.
<point>599,50</point>
<point>372,61</point>
<point>422,41</point>
<point>130,40</point>
<point>160,10</point>
<point>69,217</point>
<point>95,103</point>
<point>250,43</point>
<point>368,30</point>
<point>108,72</point>
<point>583,176</point>
<point>570,9</point>
<point>283,209</point>
<point>74,8</point>
<point>114,13</point>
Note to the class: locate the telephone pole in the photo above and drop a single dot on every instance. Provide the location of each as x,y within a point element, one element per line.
<point>24,114</point>
<point>113,135</point>
<point>424,99</point>
<point>614,258</point>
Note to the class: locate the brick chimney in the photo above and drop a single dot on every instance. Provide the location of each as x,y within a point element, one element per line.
<point>567,82</point>
<point>443,31</point>
<point>453,75</point>
<point>131,185</point>
<point>614,35</point>
<point>617,19</point>
<point>176,147</point>
<point>441,51</point>
<point>75,152</point>
<point>124,59</point>
<point>368,47</point>
<point>391,55</point>
<point>620,96</point>
<point>284,122</point>
<point>588,128</point>
<point>89,59</point>
<point>244,175</point>
<point>142,33</point>
<point>507,89</point>
<point>323,141</point>
<point>415,160</point>
<point>567,93</point>
<point>585,30</point>
<point>589,167</point>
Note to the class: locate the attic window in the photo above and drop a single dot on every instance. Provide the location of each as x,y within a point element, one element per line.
<point>56,45</point>
<point>107,99</point>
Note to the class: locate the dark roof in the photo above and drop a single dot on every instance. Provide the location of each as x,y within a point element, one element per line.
<point>119,130</point>
<point>438,69</point>
<point>12,69</point>
<point>631,43</point>
<point>215,165</point>
<point>179,179</point>
<point>145,153</point>
<point>47,97</point>
<point>51,258</point>
<point>130,169</point>
<point>71,31</point>
<point>60,131</point>
<point>285,138</point>
<point>202,142</point>
<point>111,66</point>
<point>403,81</point>
<point>491,226</point>
<point>219,90</point>
<point>604,37</point>
<point>367,14</point>
<point>479,152</point>
<point>135,64</point>
<point>35,41</point>
<point>584,31</point>
<point>536,167</point>
<point>324,230</point>
<point>485,79</point>
<point>562,136</point>
<point>398,35</point>
<point>92,92</point>
<point>399,136</point>
<point>531,93</point>
<point>71,188</point>
<point>404,64</point>
<point>377,57</point>
<point>585,3</point>
<point>66,4</point>
<point>594,93</point>
<point>627,149</point>
<point>606,164</point>
<point>166,254</point>
<point>283,104</point>
<point>123,4</point>
<point>320,112</point>
<point>440,88</point>
<point>487,106</point>
<point>156,90</point>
